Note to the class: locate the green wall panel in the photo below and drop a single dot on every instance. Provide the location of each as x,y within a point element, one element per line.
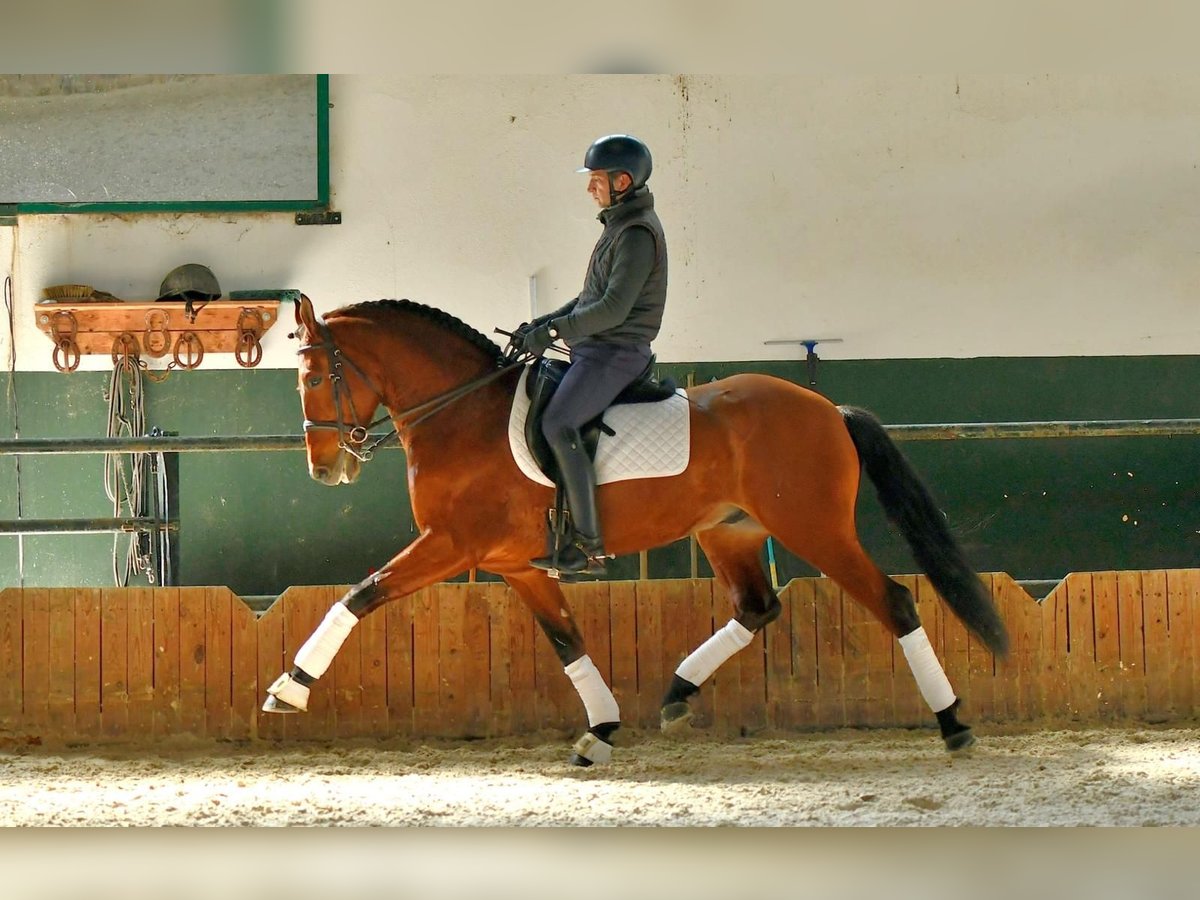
<point>256,522</point>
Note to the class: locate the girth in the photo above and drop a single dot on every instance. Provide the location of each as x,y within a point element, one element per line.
<point>544,380</point>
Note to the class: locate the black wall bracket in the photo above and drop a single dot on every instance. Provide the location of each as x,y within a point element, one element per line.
<point>319,217</point>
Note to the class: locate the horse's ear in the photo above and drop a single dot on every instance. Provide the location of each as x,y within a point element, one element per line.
<point>305,317</point>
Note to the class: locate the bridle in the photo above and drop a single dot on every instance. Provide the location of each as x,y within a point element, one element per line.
<point>352,436</point>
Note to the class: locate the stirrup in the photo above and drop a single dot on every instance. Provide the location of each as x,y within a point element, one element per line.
<point>572,562</point>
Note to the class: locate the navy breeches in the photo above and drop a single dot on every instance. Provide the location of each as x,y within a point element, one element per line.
<point>598,372</point>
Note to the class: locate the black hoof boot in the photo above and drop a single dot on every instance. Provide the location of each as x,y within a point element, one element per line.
<point>956,735</point>
<point>595,746</point>
<point>675,719</point>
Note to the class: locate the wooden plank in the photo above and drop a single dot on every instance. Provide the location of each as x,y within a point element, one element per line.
<point>981,666</point>
<point>61,699</point>
<point>1191,587</point>
<point>1158,655</point>
<point>1056,670</point>
<point>830,709</point>
<point>801,600</point>
<point>523,636</point>
<point>87,663</point>
<point>272,663</point>
<point>426,677</point>
<point>1081,648</point>
<point>218,650</point>
<point>244,698</point>
<point>35,654</point>
<point>857,623</point>
<point>752,677</point>
<point>907,703</point>
<point>477,662</point>
<point>780,683</point>
<point>726,682</point>
<point>623,642</point>
<point>452,650</point>
<point>114,662</point>
<point>1109,704</point>
<point>399,626</point>
<point>1181,645</point>
<point>1012,679</point>
<point>500,686</point>
<point>699,627</point>
<point>649,612</point>
<point>193,649</point>
<point>165,716</point>
<point>880,706</point>
<point>11,700</point>
<point>345,681</point>
<point>675,601</point>
<point>1132,639</point>
<point>140,662</point>
<point>373,650</point>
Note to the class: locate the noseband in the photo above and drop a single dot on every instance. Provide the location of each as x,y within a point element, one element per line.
<point>352,435</point>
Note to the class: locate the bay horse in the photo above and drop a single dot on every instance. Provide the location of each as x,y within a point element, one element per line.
<point>768,458</point>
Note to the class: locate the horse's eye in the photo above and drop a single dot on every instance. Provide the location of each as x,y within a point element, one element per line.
<point>315,381</point>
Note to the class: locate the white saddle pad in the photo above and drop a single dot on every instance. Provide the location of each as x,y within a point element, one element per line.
<point>653,440</point>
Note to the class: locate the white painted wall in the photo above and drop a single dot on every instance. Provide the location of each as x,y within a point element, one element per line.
<point>914,216</point>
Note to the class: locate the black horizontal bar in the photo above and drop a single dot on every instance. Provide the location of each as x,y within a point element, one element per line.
<point>921,432</point>
<point>81,526</point>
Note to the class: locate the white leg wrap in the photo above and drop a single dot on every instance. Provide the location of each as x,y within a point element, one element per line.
<point>931,677</point>
<point>321,647</point>
<point>598,700</point>
<point>709,656</point>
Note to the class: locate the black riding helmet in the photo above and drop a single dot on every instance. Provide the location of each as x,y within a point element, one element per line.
<point>619,153</point>
<point>190,282</point>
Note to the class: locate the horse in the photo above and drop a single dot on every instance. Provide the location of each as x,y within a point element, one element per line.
<point>767,458</point>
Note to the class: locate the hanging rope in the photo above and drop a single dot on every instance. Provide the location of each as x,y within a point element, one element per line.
<point>125,474</point>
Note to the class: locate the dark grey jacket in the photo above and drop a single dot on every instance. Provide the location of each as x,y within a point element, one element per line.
<point>625,289</point>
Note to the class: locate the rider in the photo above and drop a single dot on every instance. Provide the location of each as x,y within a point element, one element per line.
<point>608,328</point>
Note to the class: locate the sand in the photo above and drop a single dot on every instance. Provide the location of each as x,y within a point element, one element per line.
<point>1111,776</point>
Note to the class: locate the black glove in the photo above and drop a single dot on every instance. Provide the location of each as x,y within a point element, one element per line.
<point>534,341</point>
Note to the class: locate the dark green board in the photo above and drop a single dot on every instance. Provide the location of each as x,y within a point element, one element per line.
<point>254,520</point>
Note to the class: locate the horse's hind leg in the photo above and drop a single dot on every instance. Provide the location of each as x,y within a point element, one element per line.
<point>846,563</point>
<point>733,550</point>
<point>545,600</point>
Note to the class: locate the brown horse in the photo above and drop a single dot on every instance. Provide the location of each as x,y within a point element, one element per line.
<point>767,458</point>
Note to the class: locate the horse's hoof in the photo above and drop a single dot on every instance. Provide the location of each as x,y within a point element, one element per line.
<point>675,719</point>
<point>582,761</point>
<point>959,741</point>
<point>274,705</point>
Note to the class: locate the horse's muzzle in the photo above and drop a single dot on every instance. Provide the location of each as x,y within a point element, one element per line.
<point>344,470</point>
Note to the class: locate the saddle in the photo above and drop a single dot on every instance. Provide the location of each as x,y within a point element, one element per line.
<point>548,375</point>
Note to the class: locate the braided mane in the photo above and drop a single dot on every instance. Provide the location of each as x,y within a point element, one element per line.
<point>432,314</point>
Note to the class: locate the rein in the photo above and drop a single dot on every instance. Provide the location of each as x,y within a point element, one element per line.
<point>358,433</point>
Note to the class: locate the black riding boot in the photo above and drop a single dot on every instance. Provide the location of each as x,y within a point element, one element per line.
<point>585,554</point>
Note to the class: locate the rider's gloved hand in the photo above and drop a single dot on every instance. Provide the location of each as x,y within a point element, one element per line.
<point>535,341</point>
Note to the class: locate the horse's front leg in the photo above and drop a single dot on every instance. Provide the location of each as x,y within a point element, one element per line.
<point>545,599</point>
<point>431,557</point>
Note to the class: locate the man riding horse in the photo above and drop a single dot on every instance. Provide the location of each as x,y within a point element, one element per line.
<point>608,328</point>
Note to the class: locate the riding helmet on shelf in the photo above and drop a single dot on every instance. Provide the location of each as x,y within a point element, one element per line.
<point>191,281</point>
<point>619,153</point>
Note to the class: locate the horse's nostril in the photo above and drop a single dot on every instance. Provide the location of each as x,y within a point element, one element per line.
<point>320,472</point>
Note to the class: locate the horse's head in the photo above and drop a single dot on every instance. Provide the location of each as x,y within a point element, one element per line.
<point>337,399</point>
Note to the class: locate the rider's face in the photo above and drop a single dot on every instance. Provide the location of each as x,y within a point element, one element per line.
<point>598,188</point>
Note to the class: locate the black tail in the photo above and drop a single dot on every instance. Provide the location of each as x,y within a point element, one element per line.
<point>909,505</point>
